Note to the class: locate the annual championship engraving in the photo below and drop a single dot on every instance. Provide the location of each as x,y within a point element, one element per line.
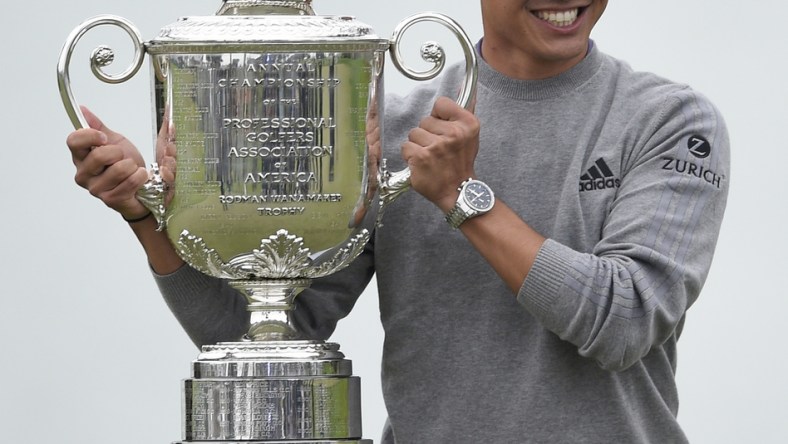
<point>279,134</point>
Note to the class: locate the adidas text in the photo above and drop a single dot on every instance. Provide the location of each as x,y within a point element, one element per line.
<point>599,184</point>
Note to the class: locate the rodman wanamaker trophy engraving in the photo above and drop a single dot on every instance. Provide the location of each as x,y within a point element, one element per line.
<point>268,174</point>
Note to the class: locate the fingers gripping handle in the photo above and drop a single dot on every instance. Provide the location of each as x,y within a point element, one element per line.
<point>101,57</point>
<point>152,193</point>
<point>394,184</point>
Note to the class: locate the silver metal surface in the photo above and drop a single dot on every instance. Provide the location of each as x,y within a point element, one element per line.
<point>286,359</point>
<point>271,390</point>
<point>299,441</point>
<point>268,173</point>
<point>268,162</point>
<point>100,58</point>
<point>272,409</point>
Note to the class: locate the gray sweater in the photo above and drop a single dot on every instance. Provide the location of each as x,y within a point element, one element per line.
<point>626,174</point>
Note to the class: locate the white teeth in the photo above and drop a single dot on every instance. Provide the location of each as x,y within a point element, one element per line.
<point>558,18</point>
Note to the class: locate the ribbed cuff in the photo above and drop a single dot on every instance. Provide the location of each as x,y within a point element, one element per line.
<point>541,288</point>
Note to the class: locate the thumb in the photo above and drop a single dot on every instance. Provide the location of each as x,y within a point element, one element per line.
<point>96,123</point>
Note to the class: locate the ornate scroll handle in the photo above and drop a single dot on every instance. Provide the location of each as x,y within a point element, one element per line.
<point>101,57</point>
<point>152,192</point>
<point>394,184</point>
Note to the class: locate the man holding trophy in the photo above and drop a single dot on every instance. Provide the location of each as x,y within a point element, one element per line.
<point>534,286</point>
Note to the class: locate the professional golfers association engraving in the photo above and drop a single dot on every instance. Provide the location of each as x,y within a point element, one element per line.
<point>269,174</point>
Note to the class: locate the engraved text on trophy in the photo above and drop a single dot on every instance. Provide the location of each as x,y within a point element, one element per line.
<point>265,141</point>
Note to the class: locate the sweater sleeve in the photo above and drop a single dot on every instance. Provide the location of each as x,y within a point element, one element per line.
<point>208,309</point>
<point>322,305</point>
<point>631,292</point>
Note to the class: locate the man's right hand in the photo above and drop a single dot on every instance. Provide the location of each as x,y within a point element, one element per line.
<point>109,166</point>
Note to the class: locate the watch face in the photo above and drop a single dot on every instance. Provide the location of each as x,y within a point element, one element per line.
<point>478,195</point>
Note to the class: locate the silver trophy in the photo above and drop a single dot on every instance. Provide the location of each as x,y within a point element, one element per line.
<point>268,174</point>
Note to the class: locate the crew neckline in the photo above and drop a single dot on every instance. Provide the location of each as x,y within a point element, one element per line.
<point>543,88</point>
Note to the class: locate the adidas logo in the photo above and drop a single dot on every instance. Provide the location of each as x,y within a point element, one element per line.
<point>598,177</point>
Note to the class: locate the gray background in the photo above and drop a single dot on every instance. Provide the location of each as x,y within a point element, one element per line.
<point>90,353</point>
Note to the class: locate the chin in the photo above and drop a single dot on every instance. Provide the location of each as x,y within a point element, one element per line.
<point>567,51</point>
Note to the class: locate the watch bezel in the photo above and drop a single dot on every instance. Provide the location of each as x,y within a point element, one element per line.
<point>463,209</point>
<point>487,190</point>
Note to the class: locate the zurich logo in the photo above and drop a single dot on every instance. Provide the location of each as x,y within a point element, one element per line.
<point>699,147</point>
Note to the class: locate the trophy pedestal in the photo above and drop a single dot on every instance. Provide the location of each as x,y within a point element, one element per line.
<point>299,392</point>
<point>322,441</point>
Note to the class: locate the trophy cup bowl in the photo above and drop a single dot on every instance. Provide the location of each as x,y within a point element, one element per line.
<point>268,174</point>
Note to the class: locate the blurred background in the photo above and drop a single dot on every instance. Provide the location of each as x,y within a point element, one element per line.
<point>91,354</point>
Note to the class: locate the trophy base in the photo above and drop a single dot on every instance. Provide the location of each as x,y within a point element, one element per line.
<point>299,392</point>
<point>341,441</point>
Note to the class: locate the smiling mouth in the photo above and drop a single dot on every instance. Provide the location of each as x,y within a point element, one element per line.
<point>560,19</point>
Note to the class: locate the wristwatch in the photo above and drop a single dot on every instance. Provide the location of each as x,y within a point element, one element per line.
<point>476,198</point>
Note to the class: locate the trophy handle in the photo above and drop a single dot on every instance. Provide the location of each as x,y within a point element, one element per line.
<point>392,185</point>
<point>152,192</point>
<point>101,57</point>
